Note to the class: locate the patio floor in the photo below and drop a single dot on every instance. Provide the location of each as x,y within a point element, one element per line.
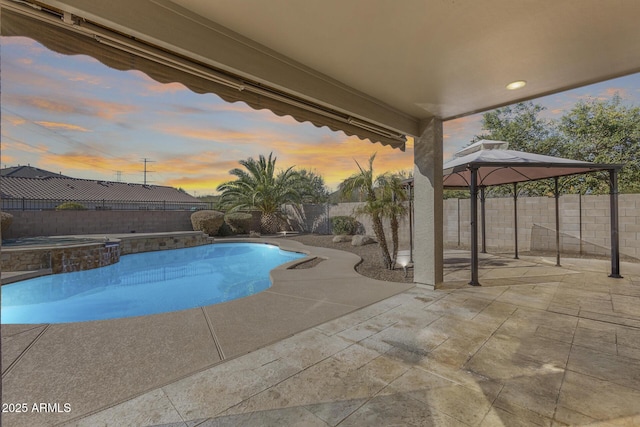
<point>535,345</point>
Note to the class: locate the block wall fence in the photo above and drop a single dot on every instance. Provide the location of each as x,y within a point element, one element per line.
<point>584,223</point>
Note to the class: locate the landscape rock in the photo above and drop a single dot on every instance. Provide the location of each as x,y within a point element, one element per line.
<point>361,240</point>
<point>341,238</point>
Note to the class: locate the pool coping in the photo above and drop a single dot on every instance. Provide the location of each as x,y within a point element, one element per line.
<point>98,364</point>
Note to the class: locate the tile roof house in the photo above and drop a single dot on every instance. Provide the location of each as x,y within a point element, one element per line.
<point>27,188</point>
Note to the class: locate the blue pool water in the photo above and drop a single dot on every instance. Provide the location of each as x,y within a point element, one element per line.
<point>147,283</point>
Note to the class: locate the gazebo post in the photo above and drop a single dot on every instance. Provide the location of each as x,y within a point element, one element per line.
<point>474,227</point>
<point>483,219</point>
<point>615,242</point>
<point>557,197</point>
<point>515,218</point>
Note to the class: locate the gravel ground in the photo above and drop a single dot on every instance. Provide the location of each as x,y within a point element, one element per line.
<point>371,265</point>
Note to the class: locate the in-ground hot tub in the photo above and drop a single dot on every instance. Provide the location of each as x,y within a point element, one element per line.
<point>59,254</point>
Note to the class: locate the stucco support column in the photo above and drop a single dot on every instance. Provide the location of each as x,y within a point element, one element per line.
<point>428,205</point>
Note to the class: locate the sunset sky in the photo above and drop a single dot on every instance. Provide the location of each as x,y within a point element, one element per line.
<point>73,115</point>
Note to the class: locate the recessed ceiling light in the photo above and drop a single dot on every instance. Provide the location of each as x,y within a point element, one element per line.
<point>516,85</point>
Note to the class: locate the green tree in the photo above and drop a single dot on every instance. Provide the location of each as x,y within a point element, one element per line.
<point>603,131</point>
<point>382,195</point>
<point>311,187</point>
<point>259,186</point>
<point>522,127</point>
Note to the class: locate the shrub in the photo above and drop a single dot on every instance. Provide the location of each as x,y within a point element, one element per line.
<point>239,222</point>
<point>207,221</point>
<point>5,222</point>
<point>225,230</point>
<point>343,225</point>
<point>70,206</point>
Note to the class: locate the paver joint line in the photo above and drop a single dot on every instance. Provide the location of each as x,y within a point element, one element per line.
<point>213,334</point>
<point>15,362</point>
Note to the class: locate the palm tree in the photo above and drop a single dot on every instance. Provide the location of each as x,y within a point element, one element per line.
<point>258,186</point>
<point>392,194</point>
<point>380,202</point>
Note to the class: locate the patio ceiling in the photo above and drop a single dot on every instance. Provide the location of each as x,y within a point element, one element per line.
<point>379,67</point>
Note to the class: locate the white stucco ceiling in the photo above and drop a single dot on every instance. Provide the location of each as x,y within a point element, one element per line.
<point>443,57</point>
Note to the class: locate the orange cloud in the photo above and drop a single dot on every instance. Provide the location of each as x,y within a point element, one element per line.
<point>63,126</point>
<point>86,107</point>
<point>17,145</point>
<point>13,120</point>
<point>82,161</point>
<point>217,135</point>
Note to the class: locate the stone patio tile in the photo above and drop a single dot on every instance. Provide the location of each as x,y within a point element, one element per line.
<point>620,370</point>
<point>537,393</point>
<point>594,399</point>
<point>327,381</point>
<point>414,380</point>
<point>149,409</point>
<point>394,409</point>
<point>611,317</point>
<point>513,416</point>
<point>626,288</point>
<point>459,305</point>
<point>333,413</point>
<point>630,352</point>
<point>628,337</point>
<point>385,369</point>
<point>596,335</point>
<point>213,391</point>
<point>308,348</point>
<point>295,417</point>
<point>537,297</point>
<point>356,356</point>
<point>554,334</point>
<point>626,305</point>
<point>564,307</point>
<point>525,322</point>
<point>490,293</point>
<point>632,421</point>
<point>335,326</point>
<point>506,272</point>
<point>466,405</point>
<point>409,344</point>
<point>500,360</point>
<point>367,328</point>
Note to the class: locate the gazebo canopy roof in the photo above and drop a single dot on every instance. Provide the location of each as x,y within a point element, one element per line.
<point>497,165</point>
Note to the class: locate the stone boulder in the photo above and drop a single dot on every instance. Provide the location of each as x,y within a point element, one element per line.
<point>361,240</point>
<point>207,221</point>
<point>5,222</point>
<point>341,238</point>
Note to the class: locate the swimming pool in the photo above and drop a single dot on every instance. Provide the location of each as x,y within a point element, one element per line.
<point>146,283</point>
